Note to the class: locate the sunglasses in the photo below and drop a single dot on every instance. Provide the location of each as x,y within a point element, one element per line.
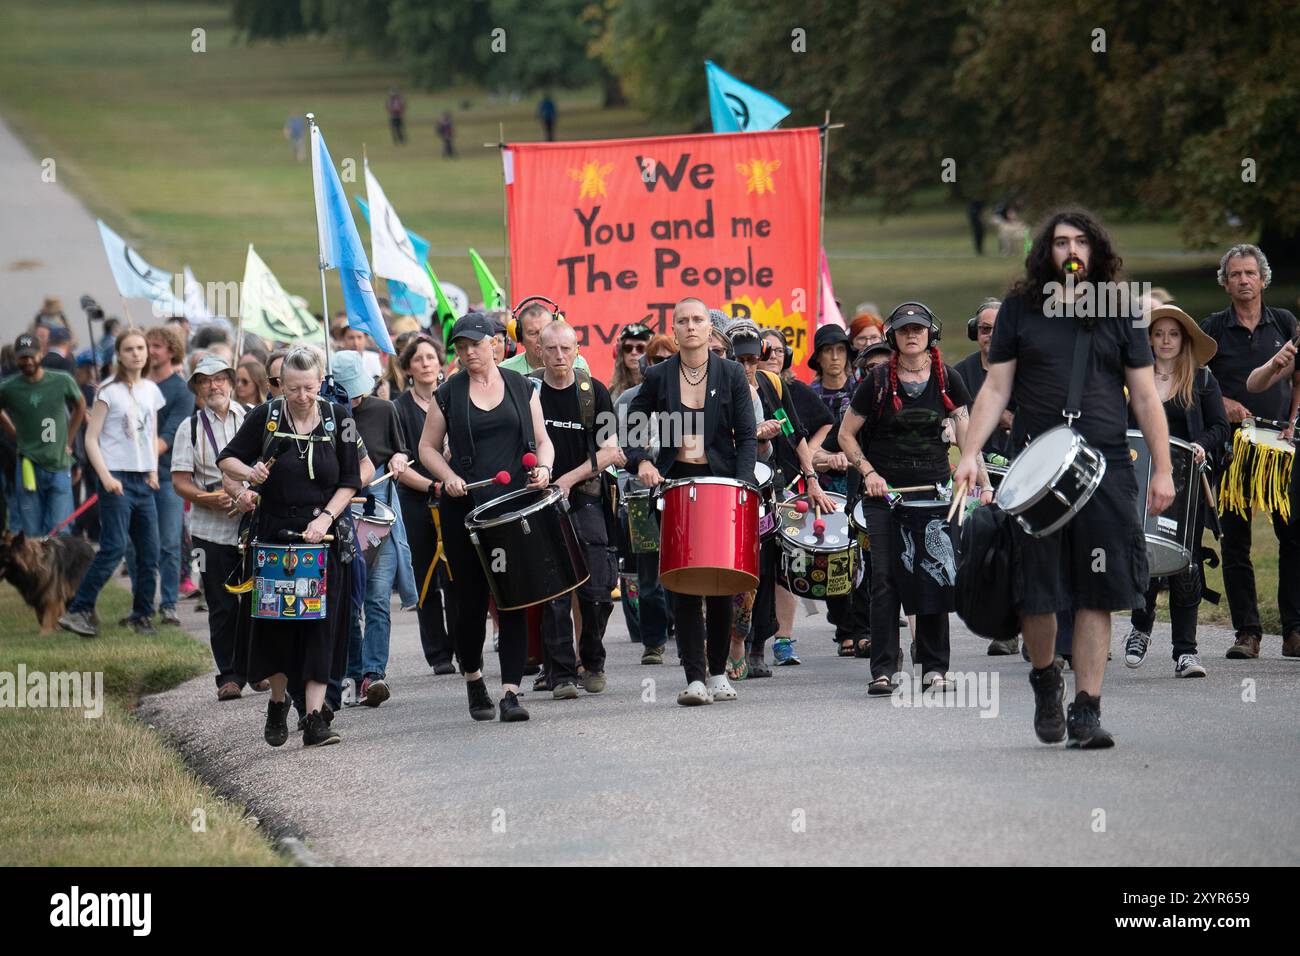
<point>660,357</point>
<point>985,330</point>
<point>633,347</point>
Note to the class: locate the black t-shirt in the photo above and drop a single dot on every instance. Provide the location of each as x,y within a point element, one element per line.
<point>58,361</point>
<point>813,413</point>
<point>973,373</point>
<point>380,429</point>
<point>564,423</point>
<point>1241,352</point>
<point>1043,348</point>
<point>335,463</point>
<point>411,416</point>
<point>906,446</point>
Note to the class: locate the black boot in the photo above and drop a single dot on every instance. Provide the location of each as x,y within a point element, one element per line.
<point>277,722</point>
<point>511,709</point>
<point>480,701</point>
<point>318,733</point>
<point>1085,727</point>
<point>1049,695</point>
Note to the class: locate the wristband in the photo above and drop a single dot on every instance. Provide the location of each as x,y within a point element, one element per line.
<point>326,511</point>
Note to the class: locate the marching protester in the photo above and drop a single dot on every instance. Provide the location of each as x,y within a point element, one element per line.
<point>574,408</point>
<point>695,386</point>
<point>526,329</point>
<point>274,363</point>
<point>300,457</point>
<point>122,445</point>
<point>867,328</point>
<point>196,477</point>
<point>1032,361</point>
<point>1249,334</point>
<point>1194,409</point>
<point>381,432</point>
<point>252,386</point>
<point>33,401</point>
<point>166,359</point>
<point>628,352</point>
<point>421,362</point>
<point>491,418</point>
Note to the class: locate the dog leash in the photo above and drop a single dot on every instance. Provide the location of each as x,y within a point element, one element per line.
<point>76,514</point>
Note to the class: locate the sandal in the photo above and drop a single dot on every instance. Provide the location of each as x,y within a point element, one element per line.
<point>864,647</point>
<point>846,648</point>
<point>880,687</point>
<point>758,668</point>
<point>737,668</point>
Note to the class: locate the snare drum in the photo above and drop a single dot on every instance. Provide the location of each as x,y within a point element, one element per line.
<point>708,542</point>
<point>289,581</point>
<point>812,565</point>
<point>766,480</point>
<point>374,522</point>
<point>858,525</point>
<point>1170,535</point>
<point>529,550</point>
<point>1050,481</point>
<point>1260,474</point>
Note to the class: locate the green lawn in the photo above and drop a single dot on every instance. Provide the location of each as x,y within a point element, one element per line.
<point>107,791</point>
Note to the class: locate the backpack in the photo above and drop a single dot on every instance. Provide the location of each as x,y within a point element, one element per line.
<point>984,594</point>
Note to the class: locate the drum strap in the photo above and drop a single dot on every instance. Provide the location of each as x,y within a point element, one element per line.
<point>1082,353</point>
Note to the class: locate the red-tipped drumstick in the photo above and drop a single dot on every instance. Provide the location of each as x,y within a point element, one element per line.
<point>801,506</point>
<point>530,460</point>
<point>500,478</point>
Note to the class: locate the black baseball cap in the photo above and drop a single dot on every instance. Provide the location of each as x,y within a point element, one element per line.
<point>474,326</point>
<point>746,343</point>
<point>875,348</point>
<point>637,330</point>
<point>26,345</point>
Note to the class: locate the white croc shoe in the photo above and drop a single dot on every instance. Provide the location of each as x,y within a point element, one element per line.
<point>720,688</point>
<point>694,695</point>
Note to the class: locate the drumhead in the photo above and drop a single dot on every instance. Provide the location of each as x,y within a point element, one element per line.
<point>382,513</point>
<point>797,529</point>
<point>1034,469</point>
<point>511,507</point>
<point>681,482</point>
<point>762,474</point>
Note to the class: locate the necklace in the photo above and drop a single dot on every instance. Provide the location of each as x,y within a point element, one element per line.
<point>924,365</point>
<point>302,448</point>
<point>700,372</point>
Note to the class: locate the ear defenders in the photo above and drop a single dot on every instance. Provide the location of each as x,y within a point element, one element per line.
<point>909,310</point>
<point>512,327</point>
<point>766,349</point>
<point>972,324</point>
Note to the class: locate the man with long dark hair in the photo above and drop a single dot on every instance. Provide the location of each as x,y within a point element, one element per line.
<point>1096,564</point>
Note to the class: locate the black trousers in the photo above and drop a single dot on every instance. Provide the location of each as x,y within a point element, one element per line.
<point>593,599</point>
<point>851,613</point>
<point>763,616</point>
<point>932,645</point>
<point>421,535</point>
<point>229,616</point>
<point>1239,573</point>
<point>690,612</point>
<point>1184,604</point>
<point>470,584</point>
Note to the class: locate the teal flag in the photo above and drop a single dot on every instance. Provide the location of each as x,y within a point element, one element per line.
<point>737,107</point>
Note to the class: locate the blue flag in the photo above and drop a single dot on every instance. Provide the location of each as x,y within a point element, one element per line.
<point>400,297</point>
<point>340,246</point>
<point>135,278</point>
<point>737,107</point>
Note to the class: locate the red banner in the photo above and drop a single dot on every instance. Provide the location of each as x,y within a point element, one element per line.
<point>616,231</point>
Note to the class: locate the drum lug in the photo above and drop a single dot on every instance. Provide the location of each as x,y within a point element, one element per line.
<point>692,492</point>
<point>523,526</point>
<point>473,537</point>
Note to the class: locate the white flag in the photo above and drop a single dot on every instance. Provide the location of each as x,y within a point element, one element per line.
<point>265,309</point>
<point>391,253</point>
<point>196,309</point>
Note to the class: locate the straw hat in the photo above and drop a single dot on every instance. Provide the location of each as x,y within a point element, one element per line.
<point>1204,348</point>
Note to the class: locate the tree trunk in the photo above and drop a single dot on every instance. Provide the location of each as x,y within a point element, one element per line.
<point>614,95</point>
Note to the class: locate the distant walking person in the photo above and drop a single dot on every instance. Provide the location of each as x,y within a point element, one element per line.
<point>294,130</point>
<point>447,133</point>
<point>396,106</point>
<point>546,113</point>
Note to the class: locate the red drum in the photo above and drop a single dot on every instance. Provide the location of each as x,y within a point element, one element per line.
<point>708,537</point>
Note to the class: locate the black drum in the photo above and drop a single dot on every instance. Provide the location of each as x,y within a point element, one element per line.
<point>1170,535</point>
<point>528,547</point>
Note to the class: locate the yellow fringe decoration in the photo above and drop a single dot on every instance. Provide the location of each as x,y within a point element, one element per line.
<point>1259,478</point>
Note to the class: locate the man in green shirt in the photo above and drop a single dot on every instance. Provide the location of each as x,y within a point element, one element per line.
<point>529,327</point>
<point>34,410</point>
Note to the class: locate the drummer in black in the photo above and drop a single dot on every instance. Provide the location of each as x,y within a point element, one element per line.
<point>305,490</point>
<point>892,433</point>
<point>1097,562</point>
<point>492,418</point>
<point>687,390</point>
<point>579,415</point>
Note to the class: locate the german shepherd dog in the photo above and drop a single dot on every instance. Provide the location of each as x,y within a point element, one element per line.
<point>46,571</point>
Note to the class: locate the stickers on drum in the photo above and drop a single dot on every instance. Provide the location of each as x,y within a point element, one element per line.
<point>763,476</point>
<point>290,582</point>
<point>813,565</point>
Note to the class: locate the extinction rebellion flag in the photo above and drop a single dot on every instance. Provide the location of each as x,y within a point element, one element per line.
<point>616,231</point>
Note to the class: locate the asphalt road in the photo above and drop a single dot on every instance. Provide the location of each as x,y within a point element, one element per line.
<point>803,769</point>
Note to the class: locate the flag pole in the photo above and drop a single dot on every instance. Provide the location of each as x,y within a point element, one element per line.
<point>500,145</point>
<point>320,253</point>
<point>826,128</point>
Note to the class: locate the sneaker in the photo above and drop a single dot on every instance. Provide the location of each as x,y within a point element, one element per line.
<point>480,701</point>
<point>78,622</point>
<point>374,691</point>
<point>542,683</point>
<point>1188,665</point>
<point>783,654</point>
<point>758,667</point>
<point>566,690</point>
<point>441,670</point>
<point>594,682</point>
<point>720,688</point>
<point>350,698</point>
<point>652,655</point>
<point>277,722</point>
<point>1004,648</point>
<point>1049,696</point>
<point>1135,647</point>
<point>142,625</point>
<point>318,732</point>
<point>168,615</point>
<point>1086,732</point>
<point>1291,644</point>
<point>228,691</point>
<point>1246,647</point>
<point>694,695</point>
<point>201,605</point>
<point>511,710</point>
<point>188,589</point>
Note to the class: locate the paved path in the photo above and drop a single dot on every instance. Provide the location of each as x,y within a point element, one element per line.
<point>49,245</point>
<point>802,769</point>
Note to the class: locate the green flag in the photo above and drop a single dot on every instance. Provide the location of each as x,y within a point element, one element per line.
<point>493,296</point>
<point>267,310</point>
<point>444,314</point>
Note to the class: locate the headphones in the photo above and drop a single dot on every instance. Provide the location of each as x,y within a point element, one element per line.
<point>765,349</point>
<point>512,327</point>
<point>907,310</point>
<point>972,324</point>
